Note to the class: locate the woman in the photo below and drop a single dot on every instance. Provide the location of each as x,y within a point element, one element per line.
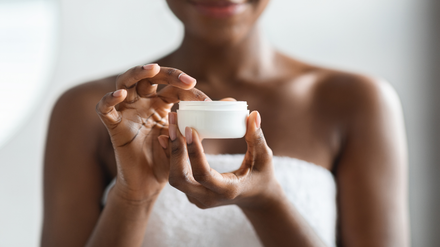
<point>326,124</point>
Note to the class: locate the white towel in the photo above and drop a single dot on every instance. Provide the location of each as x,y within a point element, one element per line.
<point>176,222</point>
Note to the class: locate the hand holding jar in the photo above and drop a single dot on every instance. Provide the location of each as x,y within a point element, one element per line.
<point>253,185</point>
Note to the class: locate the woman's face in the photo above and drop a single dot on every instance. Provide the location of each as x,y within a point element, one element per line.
<point>218,21</point>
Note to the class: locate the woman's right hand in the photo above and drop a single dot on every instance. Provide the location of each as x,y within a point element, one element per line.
<point>135,115</point>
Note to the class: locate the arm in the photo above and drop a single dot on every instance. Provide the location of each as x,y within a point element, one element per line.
<point>280,224</point>
<point>371,172</point>
<point>74,181</point>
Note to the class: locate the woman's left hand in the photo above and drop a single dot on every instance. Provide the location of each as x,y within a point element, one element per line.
<point>250,186</point>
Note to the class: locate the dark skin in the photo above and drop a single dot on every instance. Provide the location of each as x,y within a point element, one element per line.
<point>349,124</point>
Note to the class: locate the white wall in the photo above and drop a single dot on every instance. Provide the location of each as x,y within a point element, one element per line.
<point>96,38</point>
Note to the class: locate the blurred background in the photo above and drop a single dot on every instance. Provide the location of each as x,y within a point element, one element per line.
<point>48,46</point>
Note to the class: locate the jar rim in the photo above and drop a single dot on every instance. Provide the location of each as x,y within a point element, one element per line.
<point>213,105</point>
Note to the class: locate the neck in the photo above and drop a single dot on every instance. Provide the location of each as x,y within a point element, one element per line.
<point>250,58</point>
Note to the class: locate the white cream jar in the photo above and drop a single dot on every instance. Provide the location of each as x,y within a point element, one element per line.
<point>214,119</point>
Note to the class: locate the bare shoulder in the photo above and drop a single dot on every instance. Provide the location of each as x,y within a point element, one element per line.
<point>341,90</point>
<point>74,119</point>
<point>370,166</point>
<point>349,94</point>
<point>81,97</point>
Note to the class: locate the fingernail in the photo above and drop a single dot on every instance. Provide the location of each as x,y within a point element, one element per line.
<point>118,93</point>
<point>149,66</point>
<point>162,142</point>
<point>173,132</point>
<point>188,135</point>
<point>208,99</point>
<point>186,79</point>
<point>172,118</point>
<point>258,121</point>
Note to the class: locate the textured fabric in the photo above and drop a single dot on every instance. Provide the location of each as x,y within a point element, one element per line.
<point>176,222</point>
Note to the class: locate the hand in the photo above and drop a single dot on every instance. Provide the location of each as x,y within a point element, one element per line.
<point>249,186</point>
<point>135,115</point>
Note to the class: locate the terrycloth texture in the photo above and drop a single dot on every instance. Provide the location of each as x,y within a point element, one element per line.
<point>176,222</point>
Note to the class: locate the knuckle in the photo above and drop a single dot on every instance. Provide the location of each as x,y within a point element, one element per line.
<point>193,152</point>
<point>259,138</point>
<point>190,198</point>
<point>107,96</point>
<point>178,179</point>
<point>172,74</point>
<point>97,108</point>
<point>268,151</point>
<point>135,73</point>
<point>174,182</point>
<point>231,194</point>
<point>199,94</point>
<point>209,203</point>
<point>194,201</point>
<point>200,205</point>
<point>165,99</point>
<point>132,100</point>
<point>150,85</point>
<point>249,162</point>
<point>202,176</point>
<point>172,71</point>
<point>257,141</point>
<point>101,103</point>
<point>176,150</point>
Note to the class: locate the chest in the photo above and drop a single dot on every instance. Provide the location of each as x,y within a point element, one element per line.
<point>291,121</point>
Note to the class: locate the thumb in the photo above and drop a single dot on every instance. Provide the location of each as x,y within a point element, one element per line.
<point>258,152</point>
<point>106,108</point>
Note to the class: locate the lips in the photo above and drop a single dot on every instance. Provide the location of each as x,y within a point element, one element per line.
<point>219,9</point>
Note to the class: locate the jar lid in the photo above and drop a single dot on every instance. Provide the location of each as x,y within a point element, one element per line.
<point>213,105</point>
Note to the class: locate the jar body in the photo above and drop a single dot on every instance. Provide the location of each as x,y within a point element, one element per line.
<point>214,120</point>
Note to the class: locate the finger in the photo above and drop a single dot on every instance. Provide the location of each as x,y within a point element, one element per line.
<point>200,167</point>
<point>163,141</point>
<point>173,77</point>
<point>131,77</point>
<point>106,107</point>
<point>174,95</point>
<point>202,172</point>
<point>204,203</point>
<point>152,74</point>
<point>257,146</point>
<point>159,155</point>
<point>228,99</point>
<point>146,90</point>
<point>196,202</point>
<point>208,201</point>
<point>180,175</point>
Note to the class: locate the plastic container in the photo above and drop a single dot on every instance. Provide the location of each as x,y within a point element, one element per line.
<point>214,119</point>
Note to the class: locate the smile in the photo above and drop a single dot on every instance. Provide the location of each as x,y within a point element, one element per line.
<point>219,9</point>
